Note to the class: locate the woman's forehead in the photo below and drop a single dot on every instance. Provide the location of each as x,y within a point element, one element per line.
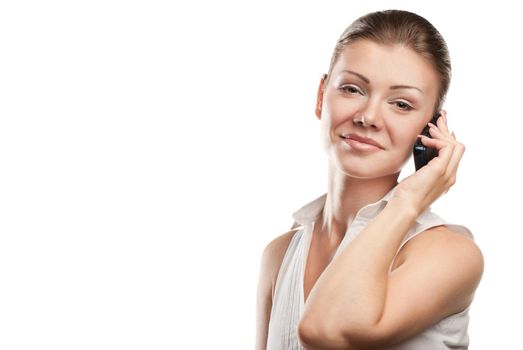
<point>386,62</point>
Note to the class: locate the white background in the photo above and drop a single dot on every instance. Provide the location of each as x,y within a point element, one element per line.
<point>150,150</point>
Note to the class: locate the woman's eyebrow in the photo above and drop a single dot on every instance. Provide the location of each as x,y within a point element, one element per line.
<point>365,79</point>
<point>393,87</point>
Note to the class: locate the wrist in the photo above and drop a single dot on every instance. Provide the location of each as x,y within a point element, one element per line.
<point>403,208</point>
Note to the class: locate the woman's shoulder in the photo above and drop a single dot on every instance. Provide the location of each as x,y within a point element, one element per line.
<point>274,252</point>
<point>449,254</point>
<point>278,245</point>
<point>446,238</point>
<point>448,242</point>
<point>276,248</point>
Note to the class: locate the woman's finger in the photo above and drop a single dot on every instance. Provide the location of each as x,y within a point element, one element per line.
<point>457,154</point>
<point>449,152</point>
<point>433,142</point>
<point>442,124</point>
<point>437,133</point>
<point>445,150</point>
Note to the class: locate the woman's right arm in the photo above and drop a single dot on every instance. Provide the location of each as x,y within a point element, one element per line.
<point>270,263</point>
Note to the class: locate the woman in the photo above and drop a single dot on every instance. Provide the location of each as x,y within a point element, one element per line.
<point>367,265</point>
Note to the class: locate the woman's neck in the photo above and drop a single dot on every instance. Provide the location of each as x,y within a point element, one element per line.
<point>346,196</point>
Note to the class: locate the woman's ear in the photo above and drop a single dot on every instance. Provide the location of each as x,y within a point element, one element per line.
<point>319,97</point>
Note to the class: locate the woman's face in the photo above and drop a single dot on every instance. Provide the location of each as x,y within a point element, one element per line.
<point>394,88</point>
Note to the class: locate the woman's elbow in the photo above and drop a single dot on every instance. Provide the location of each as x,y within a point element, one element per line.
<point>320,337</point>
<point>305,336</point>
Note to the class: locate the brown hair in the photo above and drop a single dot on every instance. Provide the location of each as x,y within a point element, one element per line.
<point>401,27</point>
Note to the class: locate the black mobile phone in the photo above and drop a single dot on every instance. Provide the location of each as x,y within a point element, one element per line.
<point>423,154</point>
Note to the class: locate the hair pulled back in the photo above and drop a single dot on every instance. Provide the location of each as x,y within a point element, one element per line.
<point>404,28</point>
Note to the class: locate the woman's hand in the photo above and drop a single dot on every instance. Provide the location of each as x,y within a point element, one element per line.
<point>427,184</point>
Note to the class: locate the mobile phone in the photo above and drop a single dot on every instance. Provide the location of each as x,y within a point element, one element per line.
<point>423,154</point>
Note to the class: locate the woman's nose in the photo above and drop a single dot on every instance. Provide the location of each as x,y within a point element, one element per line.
<point>368,116</point>
<point>366,120</point>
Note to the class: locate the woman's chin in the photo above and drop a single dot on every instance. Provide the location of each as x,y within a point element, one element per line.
<point>366,169</point>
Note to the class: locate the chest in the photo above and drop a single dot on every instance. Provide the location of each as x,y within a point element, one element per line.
<point>317,260</point>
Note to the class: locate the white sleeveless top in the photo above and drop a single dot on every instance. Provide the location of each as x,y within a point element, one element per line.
<point>288,298</point>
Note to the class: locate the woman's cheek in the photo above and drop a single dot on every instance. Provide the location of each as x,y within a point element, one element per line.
<point>401,145</point>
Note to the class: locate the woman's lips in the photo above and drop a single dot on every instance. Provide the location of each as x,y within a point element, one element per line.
<point>360,146</point>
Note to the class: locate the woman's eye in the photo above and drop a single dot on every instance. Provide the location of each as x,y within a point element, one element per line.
<point>351,89</point>
<point>404,106</point>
